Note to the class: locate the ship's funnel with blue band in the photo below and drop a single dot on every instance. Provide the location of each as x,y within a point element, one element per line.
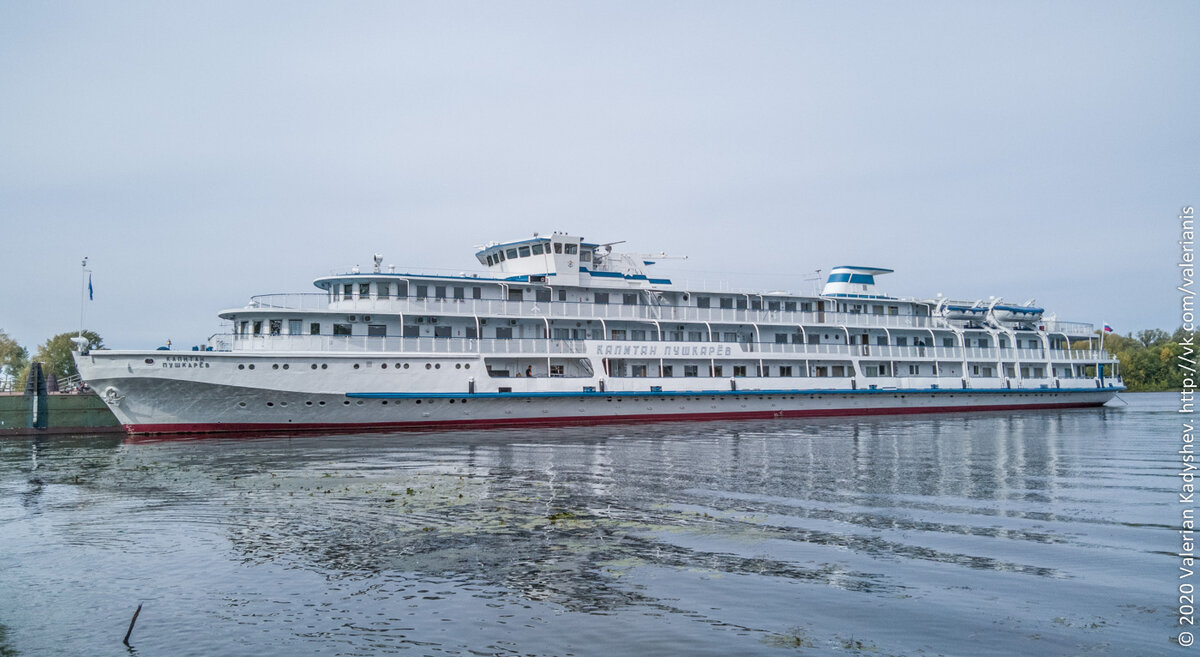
<point>847,281</point>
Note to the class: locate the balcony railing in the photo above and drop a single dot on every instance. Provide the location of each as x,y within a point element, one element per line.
<point>652,350</point>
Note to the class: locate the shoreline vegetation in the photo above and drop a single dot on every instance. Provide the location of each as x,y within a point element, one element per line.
<point>1151,360</point>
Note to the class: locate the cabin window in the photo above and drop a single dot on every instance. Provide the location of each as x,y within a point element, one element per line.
<point>571,249</point>
<point>422,291</point>
<point>276,326</point>
<point>901,342</point>
<point>876,310</point>
<point>947,342</point>
<point>585,256</point>
<point>881,340</point>
<point>691,370</point>
<point>839,370</point>
<point>797,338</point>
<point>785,370</point>
<point>439,292</point>
<point>893,310</point>
<point>511,253</point>
<point>756,304</point>
<point>638,334</point>
<point>471,332</point>
<point>789,306</point>
<point>717,370</point>
<point>383,290</point>
<point>442,331</point>
<point>821,371</point>
<point>629,299</point>
<point>558,247</point>
<point>364,290</point>
<point>348,291</point>
<point>460,293</point>
<point>618,334</point>
<point>542,295</point>
<point>739,370</point>
<point>741,304</point>
<point>245,327</point>
<point>341,329</point>
<point>295,326</point>
<point>314,328</point>
<point>537,249</point>
<point>730,337</point>
<point>476,293</point>
<point>523,251</point>
<point>401,288</point>
<point>772,305</point>
<point>557,370</point>
<point>515,294</point>
<point>781,338</point>
<point>806,306</point>
<point>668,370</point>
<point>411,331</point>
<point>600,297</point>
<point>377,330</point>
<point>727,304</point>
<point>983,343</point>
<point>675,336</point>
<point>703,302</point>
<point>503,332</point>
<point>695,336</point>
<point>638,370</point>
<point>258,327</point>
<point>562,295</point>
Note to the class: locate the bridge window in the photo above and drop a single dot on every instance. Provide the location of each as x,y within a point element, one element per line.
<point>756,304</point>
<point>523,251</point>
<point>500,255</point>
<point>489,260</point>
<point>348,291</point>
<point>772,305</point>
<point>537,249</point>
<point>741,304</point>
<point>571,249</point>
<point>789,306</point>
<point>585,256</point>
<point>364,290</point>
<point>511,253</point>
<point>558,247</point>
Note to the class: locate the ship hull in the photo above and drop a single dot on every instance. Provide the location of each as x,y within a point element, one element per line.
<point>157,406</point>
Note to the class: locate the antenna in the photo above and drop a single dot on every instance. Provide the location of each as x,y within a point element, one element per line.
<point>378,261</point>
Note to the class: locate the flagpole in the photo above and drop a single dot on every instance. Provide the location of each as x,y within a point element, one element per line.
<point>82,285</point>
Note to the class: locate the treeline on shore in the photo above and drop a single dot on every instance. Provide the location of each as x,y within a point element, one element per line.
<point>1151,360</point>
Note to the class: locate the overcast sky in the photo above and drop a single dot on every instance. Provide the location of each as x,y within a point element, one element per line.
<point>203,152</point>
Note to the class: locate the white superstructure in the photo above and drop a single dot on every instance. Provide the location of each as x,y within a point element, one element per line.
<point>561,330</point>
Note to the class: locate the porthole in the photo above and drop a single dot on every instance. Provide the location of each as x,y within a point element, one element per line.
<point>241,404</point>
<point>275,366</point>
<point>451,401</point>
<point>406,366</point>
<point>252,366</point>
<point>427,366</point>
<point>320,403</point>
<point>347,402</point>
<point>384,402</point>
<point>467,366</point>
<point>356,366</point>
<point>360,402</point>
<point>285,366</point>
<point>418,401</point>
<point>438,366</point>
<point>324,366</point>
<point>149,361</point>
<point>383,365</point>
<point>458,366</point>
<point>241,367</point>
<point>396,365</point>
<point>314,366</point>
<point>308,403</point>
<point>283,403</point>
<point>463,401</point>
<point>270,403</point>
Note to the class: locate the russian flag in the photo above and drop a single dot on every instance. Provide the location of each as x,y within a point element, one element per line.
<point>1107,328</point>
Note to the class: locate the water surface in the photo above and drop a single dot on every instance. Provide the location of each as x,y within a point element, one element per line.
<point>1032,533</point>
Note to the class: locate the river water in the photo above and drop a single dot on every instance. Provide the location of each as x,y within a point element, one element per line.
<point>1014,533</point>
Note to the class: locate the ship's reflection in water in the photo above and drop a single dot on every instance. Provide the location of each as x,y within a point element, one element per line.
<point>1013,533</point>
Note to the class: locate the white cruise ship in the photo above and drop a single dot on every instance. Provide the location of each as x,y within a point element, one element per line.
<point>562,331</point>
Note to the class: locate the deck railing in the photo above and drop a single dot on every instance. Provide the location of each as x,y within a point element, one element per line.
<point>649,314</point>
<point>751,350</point>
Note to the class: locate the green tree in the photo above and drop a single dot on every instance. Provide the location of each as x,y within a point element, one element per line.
<point>13,357</point>
<point>1152,337</point>
<point>55,353</point>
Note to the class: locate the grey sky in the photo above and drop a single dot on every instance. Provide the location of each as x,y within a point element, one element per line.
<point>200,153</point>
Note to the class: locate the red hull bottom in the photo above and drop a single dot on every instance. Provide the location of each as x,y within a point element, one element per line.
<point>341,427</point>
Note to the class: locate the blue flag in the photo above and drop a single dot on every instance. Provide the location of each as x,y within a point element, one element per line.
<point>91,297</point>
